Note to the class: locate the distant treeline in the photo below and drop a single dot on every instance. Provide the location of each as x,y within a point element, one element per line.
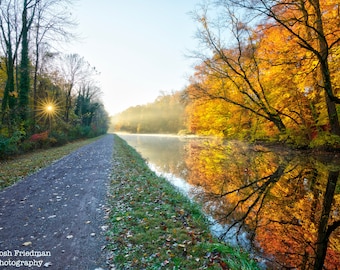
<point>164,115</point>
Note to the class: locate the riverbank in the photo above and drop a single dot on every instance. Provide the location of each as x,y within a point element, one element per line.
<point>153,226</point>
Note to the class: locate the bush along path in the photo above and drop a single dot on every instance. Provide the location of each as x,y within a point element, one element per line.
<point>55,217</point>
<point>153,226</point>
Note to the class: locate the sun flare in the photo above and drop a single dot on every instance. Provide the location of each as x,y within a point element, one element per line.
<point>47,109</point>
<point>50,108</point>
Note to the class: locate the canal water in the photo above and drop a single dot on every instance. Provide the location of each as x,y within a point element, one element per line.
<point>283,206</point>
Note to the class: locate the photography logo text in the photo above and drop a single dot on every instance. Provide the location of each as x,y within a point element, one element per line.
<point>23,258</point>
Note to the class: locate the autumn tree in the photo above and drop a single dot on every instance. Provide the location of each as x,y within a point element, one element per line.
<point>22,23</point>
<point>14,34</point>
<point>51,26</point>
<point>74,70</point>
<point>234,69</point>
<point>87,102</point>
<point>100,120</point>
<point>10,41</point>
<point>314,27</point>
<point>291,76</point>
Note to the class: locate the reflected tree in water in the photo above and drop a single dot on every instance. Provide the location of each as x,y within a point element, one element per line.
<point>288,204</point>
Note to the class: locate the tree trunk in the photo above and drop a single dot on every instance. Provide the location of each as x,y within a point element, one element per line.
<point>9,99</point>
<point>24,68</point>
<point>276,119</point>
<point>333,116</point>
<point>325,72</point>
<point>323,237</point>
<point>68,102</point>
<point>35,84</point>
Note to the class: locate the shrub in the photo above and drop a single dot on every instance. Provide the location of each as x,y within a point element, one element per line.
<point>85,131</point>
<point>326,140</point>
<point>52,141</point>
<point>295,138</point>
<point>6,148</point>
<point>59,138</point>
<point>9,146</point>
<point>39,137</point>
<point>27,146</point>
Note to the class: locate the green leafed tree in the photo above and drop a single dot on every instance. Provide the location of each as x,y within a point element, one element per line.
<point>28,13</point>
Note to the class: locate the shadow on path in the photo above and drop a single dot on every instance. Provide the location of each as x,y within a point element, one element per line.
<point>58,213</point>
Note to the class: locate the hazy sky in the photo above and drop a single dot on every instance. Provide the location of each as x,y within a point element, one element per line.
<point>138,46</point>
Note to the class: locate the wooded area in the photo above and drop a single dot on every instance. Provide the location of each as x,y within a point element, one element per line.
<point>273,66</point>
<point>47,98</point>
<point>269,70</point>
<point>164,115</point>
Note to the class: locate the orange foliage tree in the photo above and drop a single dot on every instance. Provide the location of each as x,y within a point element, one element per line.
<point>283,69</point>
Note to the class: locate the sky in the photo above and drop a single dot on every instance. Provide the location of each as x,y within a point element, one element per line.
<point>139,47</point>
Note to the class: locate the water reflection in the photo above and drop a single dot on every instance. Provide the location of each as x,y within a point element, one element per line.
<point>288,203</point>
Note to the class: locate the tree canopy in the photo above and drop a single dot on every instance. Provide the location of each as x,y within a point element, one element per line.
<point>273,66</point>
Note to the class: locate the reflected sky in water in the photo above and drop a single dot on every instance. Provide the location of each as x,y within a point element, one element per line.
<point>283,205</point>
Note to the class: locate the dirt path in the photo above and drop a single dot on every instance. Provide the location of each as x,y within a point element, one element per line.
<point>58,213</point>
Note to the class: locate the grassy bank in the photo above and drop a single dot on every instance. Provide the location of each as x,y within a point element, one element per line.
<point>17,167</point>
<point>152,226</point>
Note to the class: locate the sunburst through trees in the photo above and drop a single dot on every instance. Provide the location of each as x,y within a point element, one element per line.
<point>47,110</point>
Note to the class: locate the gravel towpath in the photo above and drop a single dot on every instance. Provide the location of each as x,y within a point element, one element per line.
<point>54,218</point>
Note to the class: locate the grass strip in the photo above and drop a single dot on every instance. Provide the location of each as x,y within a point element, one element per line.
<point>154,226</point>
<point>17,167</point>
